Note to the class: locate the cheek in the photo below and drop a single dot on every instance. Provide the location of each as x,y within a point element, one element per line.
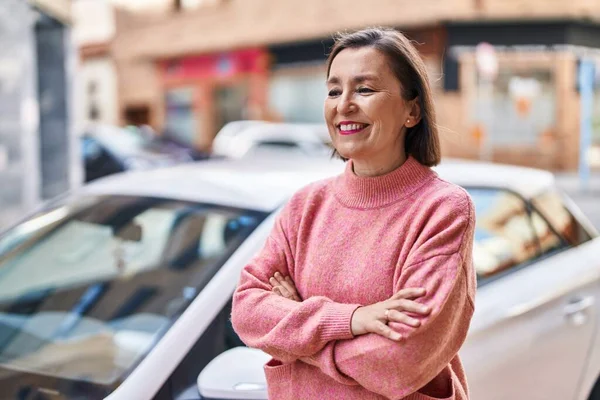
<point>328,110</point>
<point>375,107</point>
<point>385,113</point>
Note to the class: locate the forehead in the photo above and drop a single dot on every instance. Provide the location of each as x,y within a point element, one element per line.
<point>361,61</point>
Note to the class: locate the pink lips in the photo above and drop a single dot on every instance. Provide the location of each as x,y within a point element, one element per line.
<point>350,131</point>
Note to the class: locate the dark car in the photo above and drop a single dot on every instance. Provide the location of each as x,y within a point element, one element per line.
<point>108,149</point>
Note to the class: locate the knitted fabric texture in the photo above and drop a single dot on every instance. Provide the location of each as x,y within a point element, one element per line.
<point>351,241</point>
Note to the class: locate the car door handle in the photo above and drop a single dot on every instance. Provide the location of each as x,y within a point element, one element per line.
<point>578,306</point>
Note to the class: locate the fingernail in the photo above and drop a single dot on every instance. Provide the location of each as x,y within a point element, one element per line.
<point>277,275</point>
<point>396,336</point>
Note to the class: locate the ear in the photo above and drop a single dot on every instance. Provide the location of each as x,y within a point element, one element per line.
<point>414,115</point>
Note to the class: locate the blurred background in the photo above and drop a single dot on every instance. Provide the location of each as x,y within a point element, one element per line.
<point>515,82</point>
<point>94,275</point>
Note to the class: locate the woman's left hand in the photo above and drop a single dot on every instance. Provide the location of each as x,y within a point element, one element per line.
<point>284,286</point>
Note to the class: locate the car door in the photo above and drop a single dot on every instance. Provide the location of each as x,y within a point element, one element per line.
<point>535,308</point>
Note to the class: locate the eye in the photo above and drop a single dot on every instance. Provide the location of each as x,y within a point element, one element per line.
<point>334,93</point>
<point>364,90</point>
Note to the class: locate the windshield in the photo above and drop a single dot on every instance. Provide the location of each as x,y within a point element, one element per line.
<point>88,287</point>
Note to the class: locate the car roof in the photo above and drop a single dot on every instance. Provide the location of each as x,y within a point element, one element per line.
<point>236,139</point>
<point>259,129</point>
<point>264,183</point>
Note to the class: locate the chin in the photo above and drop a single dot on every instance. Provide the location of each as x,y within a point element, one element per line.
<point>348,153</point>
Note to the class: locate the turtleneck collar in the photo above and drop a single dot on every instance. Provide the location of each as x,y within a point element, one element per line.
<point>378,191</point>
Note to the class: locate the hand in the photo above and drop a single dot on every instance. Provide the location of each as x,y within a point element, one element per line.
<point>374,318</point>
<point>284,286</point>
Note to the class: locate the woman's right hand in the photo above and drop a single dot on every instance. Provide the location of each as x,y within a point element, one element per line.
<point>374,318</point>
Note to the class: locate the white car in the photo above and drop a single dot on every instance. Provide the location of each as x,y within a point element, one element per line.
<point>123,290</point>
<point>240,139</point>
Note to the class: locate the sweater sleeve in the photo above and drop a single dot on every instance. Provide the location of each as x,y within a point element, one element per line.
<point>397,369</point>
<point>285,329</point>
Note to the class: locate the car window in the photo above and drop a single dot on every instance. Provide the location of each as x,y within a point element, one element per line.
<point>274,147</point>
<point>90,148</point>
<point>507,233</point>
<point>278,143</point>
<point>552,207</point>
<point>103,278</point>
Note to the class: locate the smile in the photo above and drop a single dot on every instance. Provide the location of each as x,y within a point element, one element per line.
<point>351,128</point>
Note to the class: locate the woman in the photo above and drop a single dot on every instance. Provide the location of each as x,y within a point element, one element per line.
<point>365,287</point>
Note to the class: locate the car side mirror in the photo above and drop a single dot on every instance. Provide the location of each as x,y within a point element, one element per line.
<point>235,374</point>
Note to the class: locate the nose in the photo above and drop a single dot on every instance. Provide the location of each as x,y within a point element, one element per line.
<point>345,104</point>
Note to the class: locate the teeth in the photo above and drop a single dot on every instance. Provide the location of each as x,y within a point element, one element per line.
<point>351,127</point>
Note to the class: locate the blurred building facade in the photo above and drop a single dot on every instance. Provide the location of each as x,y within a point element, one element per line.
<point>186,67</point>
<point>38,156</point>
<point>94,30</point>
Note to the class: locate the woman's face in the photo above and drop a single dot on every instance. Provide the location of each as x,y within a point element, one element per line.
<point>364,110</point>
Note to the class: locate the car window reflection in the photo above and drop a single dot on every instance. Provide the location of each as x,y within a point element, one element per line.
<point>87,289</point>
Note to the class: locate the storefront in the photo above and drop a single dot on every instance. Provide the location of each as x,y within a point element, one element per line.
<point>297,82</point>
<point>202,93</point>
<point>528,112</point>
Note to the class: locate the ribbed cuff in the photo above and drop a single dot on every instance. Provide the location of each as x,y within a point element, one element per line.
<point>275,369</point>
<point>413,396</point>
<point>419,396</point>
<point>337,321</point>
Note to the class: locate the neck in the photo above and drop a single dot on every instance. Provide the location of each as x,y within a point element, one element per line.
<point>368,168</point>
<point>365,192</point>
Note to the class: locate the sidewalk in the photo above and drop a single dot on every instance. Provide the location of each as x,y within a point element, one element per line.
<point>588,199</point>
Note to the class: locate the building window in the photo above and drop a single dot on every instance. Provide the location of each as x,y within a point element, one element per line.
<point>518,108</point>
<point>182,120</point>
<point>298,97</point>
<point>231,104</point>
<point>137,115</point>
<point>94,109</point>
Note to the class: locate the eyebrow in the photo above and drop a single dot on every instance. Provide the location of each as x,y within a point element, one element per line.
<point>334,80</point>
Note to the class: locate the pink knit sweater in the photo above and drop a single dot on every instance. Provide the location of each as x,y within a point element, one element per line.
<point>351,241</point>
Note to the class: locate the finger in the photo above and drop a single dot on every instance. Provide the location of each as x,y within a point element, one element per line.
<point>409,306</point>
<point>382,329</point>
<point>284,292</point>
<point>291,282</point>
<point>397,316</point>
<point>408,293</point>
<point>295,289</point>
<point>289,287</point>
<point>279,278</point>
<point>274,282</point>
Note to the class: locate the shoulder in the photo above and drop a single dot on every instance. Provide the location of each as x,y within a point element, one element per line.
<point>443,221</point>
<point>443,209</point>
<point>313,193</point>
<point>307,200</point>
<point>446,198</point>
